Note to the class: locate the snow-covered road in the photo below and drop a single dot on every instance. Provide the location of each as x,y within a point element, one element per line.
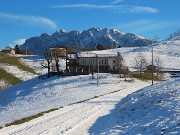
<point>72,119</point>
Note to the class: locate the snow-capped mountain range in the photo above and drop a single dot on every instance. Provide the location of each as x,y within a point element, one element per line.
<point>109,38</point>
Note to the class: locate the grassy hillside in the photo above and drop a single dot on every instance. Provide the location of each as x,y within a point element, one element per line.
<point>9,77</point>
<point>4,58</point>
<point>14,61</point>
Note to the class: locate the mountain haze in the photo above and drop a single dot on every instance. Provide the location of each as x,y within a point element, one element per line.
<point>87,39</point>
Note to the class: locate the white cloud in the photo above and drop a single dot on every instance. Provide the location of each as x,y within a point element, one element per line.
<point>31,19</point>
<point>15,42</point>
<point>121,8</point>
<point>116,1</point>
<point>146,25</point>
<point>139,9</point>
<point>20,41</point>
<point>82,6</point>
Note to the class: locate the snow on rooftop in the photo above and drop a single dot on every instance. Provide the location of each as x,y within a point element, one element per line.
<point>87,54</point>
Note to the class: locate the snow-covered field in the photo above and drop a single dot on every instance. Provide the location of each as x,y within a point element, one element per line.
<point>23,101</point>
<point>34,96</point>
<point>151,110</point>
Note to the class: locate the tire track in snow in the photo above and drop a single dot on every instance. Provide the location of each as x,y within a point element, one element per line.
<point>72,117</point>
<point>84,109</point>
<point>56,123</point>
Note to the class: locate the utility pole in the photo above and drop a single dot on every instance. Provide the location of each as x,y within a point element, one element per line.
<point>156,38</point>
<point>98,73</point>
<point>66,57</point>
<point>152,65</point>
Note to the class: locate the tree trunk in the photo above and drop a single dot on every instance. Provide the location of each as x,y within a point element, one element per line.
<point>48,69</point>
<point>57,68</point>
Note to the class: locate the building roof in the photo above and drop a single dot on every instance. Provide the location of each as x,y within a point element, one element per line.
<point>81,55</point>
<point>90,55</point>
<point>7,48</point>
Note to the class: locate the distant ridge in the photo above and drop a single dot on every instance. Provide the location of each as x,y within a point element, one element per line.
<point>87,39</point>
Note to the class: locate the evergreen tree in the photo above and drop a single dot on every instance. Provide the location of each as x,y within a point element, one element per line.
<point>17,49</point>
<point>99,46</point>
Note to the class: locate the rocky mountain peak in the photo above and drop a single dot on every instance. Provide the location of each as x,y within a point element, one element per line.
<point>85,39</point>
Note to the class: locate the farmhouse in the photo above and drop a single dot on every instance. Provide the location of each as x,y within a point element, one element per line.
<point>85,63</point>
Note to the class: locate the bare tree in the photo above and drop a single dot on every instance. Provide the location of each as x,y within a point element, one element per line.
<point>119,62</point>
<point>140,62</point>
<point>121,68</point>
<point>48,58</point>
<point>56,56</point>
<point>125,72</point>
<point>158,64</point>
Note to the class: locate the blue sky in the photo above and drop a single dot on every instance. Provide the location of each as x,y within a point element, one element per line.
<point>21,19</point>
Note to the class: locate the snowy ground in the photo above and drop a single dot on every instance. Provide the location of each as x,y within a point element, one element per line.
<point>152,110</point>
<point>34,96</point>
<point>138,113</point>
<point>57,92</point>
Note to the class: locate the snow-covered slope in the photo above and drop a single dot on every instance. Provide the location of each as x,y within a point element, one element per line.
<point>23,100</point>
<point>150,111</point>
<point>168,51</point>
<point>36,95</point>
<point>109,38</point>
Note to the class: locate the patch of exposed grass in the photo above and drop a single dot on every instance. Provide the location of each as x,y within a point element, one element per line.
<point>145,76</point>
<point>15,61</point>
<point>23,120</point>
<point>9,77</point>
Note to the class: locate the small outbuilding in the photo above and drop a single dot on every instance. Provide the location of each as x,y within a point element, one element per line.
<point>8,50</point>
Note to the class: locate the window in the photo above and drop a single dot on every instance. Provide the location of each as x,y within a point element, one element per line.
<point>104,61</point>
<point>114,61</point>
